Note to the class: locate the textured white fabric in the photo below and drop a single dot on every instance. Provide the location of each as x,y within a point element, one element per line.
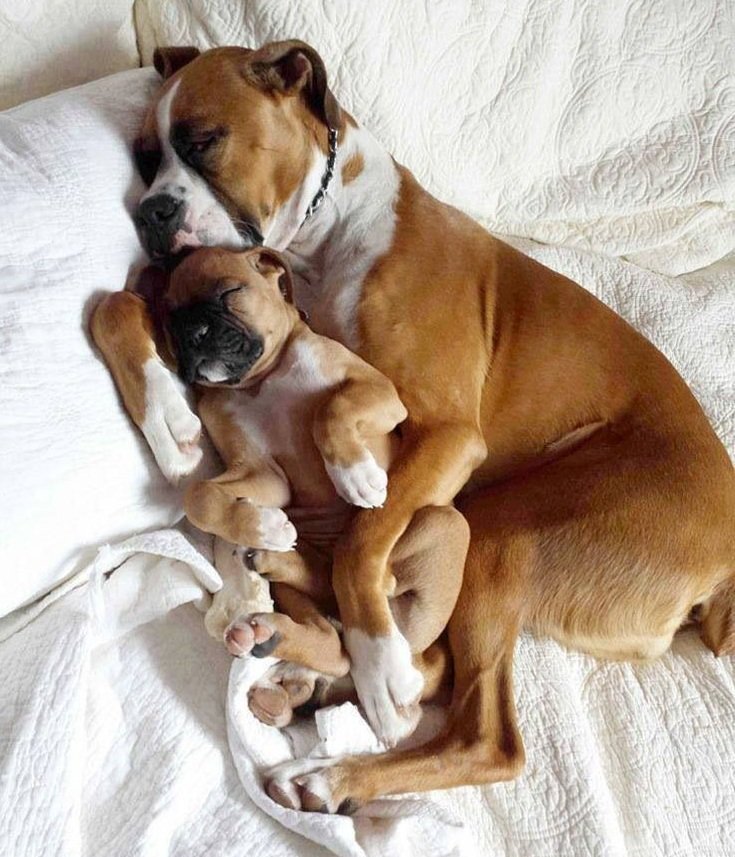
<point>72,471</point>
<point>606,125</point>
<point>112,730</point>
<point>52,44</point>
<point>113,741</point>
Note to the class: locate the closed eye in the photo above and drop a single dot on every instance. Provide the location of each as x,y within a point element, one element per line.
<point>199,146</point>
<point>193,146</point>
<point>229,292</point>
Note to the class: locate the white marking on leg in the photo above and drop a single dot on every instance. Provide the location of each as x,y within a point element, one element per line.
<point>171,429</point>
<point>275,530</point>
<point>364,483</point>
<point>243,590</point>
<point>387,683</point>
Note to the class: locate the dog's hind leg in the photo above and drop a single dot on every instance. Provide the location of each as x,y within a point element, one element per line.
<point>717,619</point>
<point>299,633</point>
<point>481,743</point>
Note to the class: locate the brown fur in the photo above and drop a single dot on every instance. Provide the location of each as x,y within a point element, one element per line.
<point>357,410</point>
<point>352,168</point>
<point>600,501</point>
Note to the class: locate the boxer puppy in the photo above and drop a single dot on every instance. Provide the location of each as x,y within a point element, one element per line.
<point>303,425</point>
<point>600,501</point>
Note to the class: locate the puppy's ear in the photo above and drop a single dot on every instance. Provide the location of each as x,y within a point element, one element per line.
<point>295,68</point>
<point>273,267</point>
<point>168,61</point>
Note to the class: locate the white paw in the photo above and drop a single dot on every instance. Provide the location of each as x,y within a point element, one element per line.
<point>387,683</point>
<point>302,784</point>
<point>362,484</point>
<point>249,595</point>
<point>171,429</point>
<point>275,530</point>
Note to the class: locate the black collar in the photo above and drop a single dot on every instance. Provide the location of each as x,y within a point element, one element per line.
<point>326,178</point>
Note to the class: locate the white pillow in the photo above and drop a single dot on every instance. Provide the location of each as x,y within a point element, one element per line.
<point>74,472</point>
<point>607,126</point>
<point>52,44</point>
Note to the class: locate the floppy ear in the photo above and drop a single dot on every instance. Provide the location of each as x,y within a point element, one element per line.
<point>168,61</point>
<point>273,267</point>
<point>295,68</point>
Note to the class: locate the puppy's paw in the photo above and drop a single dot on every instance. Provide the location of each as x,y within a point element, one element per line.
<point>284,687</point>
<point>364,483</point>
<point>171,429</point>
<point>253,634</point>
<point>388,685</point>
<point>275,530</point>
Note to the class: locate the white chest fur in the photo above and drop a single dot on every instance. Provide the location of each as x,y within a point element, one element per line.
<point>278,417</point>
<point>333,253</point>
<point>278,421</point>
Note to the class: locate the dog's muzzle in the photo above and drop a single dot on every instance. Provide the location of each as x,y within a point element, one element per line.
<point>158,219</point>
<point>210,346</point>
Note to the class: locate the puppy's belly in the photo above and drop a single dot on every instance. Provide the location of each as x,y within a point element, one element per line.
<point>321,526</point>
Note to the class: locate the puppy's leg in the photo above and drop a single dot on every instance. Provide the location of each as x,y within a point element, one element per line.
<point>301,637</point>
<point>299,633</point>
<point>304,569</point>
<point>243,505</point>
<point>243,590</point>
<point>123,331</point>
<point>365,407</point>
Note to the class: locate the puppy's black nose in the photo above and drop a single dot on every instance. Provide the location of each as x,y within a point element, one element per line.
<point>160,211</point>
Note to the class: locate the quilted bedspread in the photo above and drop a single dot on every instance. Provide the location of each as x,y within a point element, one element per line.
<point>605,129</point>
<point>606,125</point>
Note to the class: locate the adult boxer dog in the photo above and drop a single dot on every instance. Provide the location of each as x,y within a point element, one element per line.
<point>600,501</point>
<point>305,425</point>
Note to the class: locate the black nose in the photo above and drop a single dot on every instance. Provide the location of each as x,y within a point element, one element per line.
<point>159,217</point>
<point>159,209</point>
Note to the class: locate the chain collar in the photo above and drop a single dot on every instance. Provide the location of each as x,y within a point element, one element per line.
<point>326,178</point>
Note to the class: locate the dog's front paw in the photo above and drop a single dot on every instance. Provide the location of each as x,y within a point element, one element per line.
<point>169,426</point>
<point>388,685</point>
<point>364,483</point>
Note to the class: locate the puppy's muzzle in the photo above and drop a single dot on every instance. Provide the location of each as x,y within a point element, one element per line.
<point>158,219</point>
<point>210,346</point>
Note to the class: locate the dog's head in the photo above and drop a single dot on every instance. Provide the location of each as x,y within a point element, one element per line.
<point>228,314</point>
<point>233,138</point>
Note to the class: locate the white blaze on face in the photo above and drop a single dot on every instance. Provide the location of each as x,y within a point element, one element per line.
<point>206,221</point>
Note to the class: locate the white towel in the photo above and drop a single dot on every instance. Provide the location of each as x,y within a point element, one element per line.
<point>399,827</point>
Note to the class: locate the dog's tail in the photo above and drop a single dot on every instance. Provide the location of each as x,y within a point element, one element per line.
<point>718,619</point>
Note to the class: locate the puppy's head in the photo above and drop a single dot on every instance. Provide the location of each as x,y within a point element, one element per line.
<point>228,314</point>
